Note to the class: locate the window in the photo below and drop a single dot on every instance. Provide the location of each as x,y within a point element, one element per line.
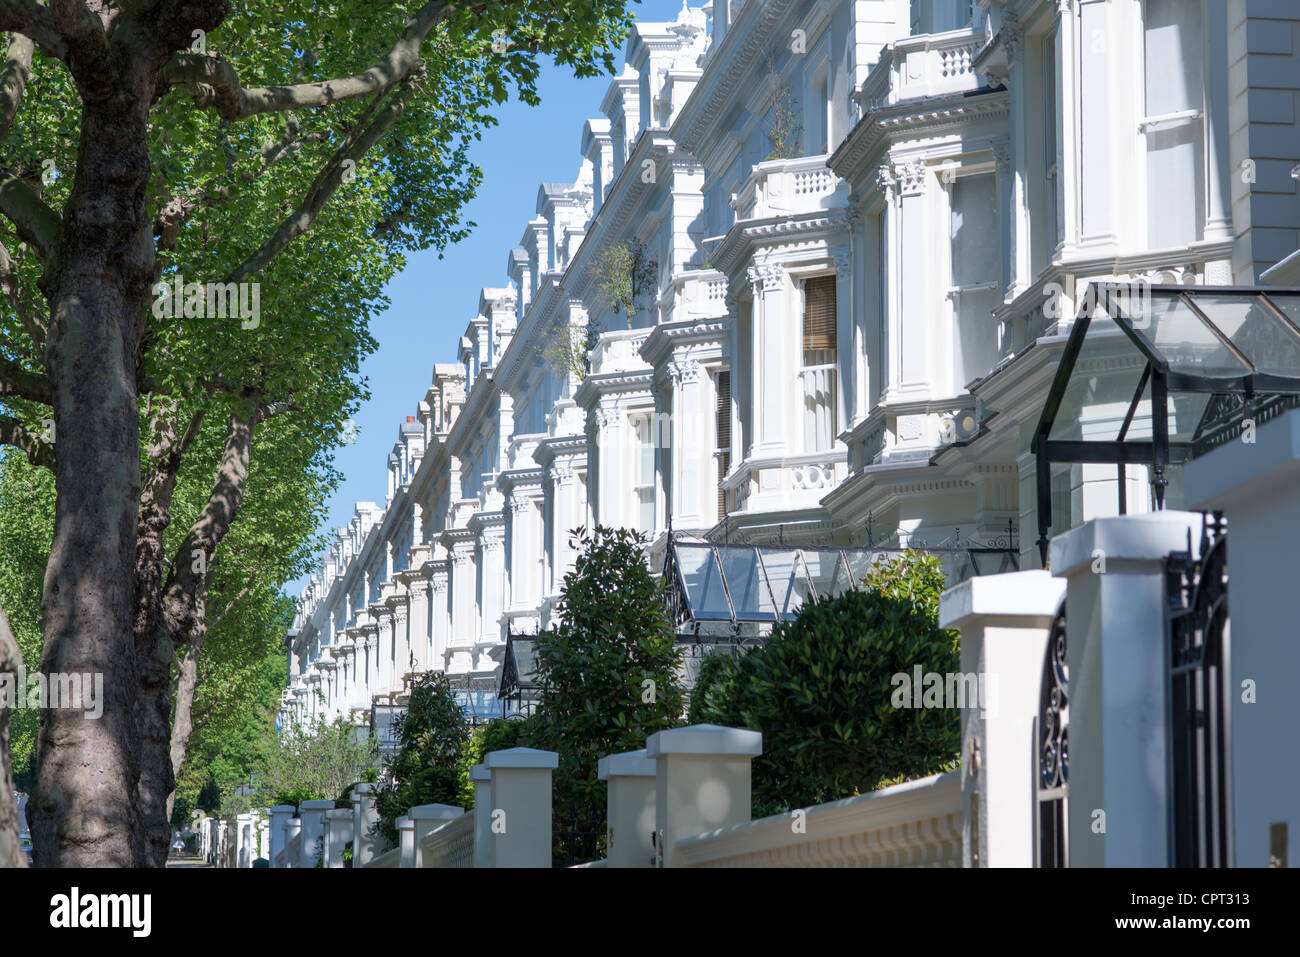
<point>1173,123</point>
<point>975,267</point>
<point>939,16</point>
<point>1048,235</point>
<point>548,534</point>
<point>722,430</point>
<point>818,108</point>
<point>819,361</point>
<point>643,472</point>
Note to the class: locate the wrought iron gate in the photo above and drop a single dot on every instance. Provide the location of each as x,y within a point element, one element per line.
<point>1199,695</point>
<point>1052,744</point>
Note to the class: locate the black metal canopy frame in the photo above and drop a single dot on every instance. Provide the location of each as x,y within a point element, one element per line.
<point>519,689</point>
<point>729,592</point>
<point>1175,371</point>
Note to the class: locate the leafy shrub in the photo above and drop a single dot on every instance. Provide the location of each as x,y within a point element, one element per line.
<point>313,762</point>
<point>821,691</point>
<point>497,735</point>
<point>607,673</point>
<point>715,690</point>
<point>431,735</point>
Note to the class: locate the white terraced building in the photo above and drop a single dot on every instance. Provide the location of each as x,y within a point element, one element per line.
<point>870,221</point>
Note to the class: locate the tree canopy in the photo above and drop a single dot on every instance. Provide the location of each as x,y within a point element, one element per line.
<point>200,206</point>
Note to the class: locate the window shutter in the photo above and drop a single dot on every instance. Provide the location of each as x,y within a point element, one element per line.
<point>819,331</point>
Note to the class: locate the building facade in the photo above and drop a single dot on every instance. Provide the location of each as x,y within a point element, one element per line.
<point>856,233</point>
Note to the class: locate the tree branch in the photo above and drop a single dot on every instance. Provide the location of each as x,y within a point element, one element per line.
<point>39,452</point>
<point>13,79</point>
<point>215,82</point>
<point>16,381</point>
<point>326,183</point>
<point>89,57</point>
<point>11,289</point>
<point>33,20</point>
<point>186,582</point>
<point>37,224</point>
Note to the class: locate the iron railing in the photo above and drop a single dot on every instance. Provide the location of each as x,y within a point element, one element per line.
<point>1200,737</point>
<point>1052,737</point>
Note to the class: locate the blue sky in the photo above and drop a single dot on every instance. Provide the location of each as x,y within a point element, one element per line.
<point>433,299</point>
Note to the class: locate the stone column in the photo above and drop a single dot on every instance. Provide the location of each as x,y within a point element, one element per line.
<point>521,806</point>
<point>364,817</point>
<point>493,572</point>
<point>693,469</point>
<point>525,546</point>
<point>426,819</point>
<point>464,620</point>
<point>1004,622</point>
<point>916,320</point>
<point>774,362</point>
<point>702,782</point>
<point>439,618</point>
<point>401,644</point>
<point>312,814</point>
<point>1118,673</point>
<point>630,779</point>
<point>418,638</point>
<point>569,512</point>
<point>384,669</point>
<point>338,832</point>
<point>280,815</point>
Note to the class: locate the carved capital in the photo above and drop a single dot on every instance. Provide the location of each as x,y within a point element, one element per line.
<point>765,277</point>
<point>560,474</point>
<point>1001,150</point>
<point>910,176</point>
<point>684,371</point>
<point>886,183</point>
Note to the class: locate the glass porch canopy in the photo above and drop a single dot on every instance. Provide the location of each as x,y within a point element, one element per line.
<point>766,584</point>
<point>1154,375</point>
<point>519,671</point>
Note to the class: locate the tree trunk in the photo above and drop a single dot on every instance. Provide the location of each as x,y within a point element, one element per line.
<point>11,851</point>
<point>180,618</point>
<point>183,719</point>
<point>97,284</point>
<point>153,704</point>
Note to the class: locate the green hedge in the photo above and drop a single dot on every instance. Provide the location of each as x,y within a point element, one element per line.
<point>822,691</point>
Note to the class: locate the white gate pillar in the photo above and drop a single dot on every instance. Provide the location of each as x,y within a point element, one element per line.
<point>521,806</point>
<point>631,808</point>
<point>1118,672</point>
<point>312,814</point>
<point>702,782</point>
<point>1004,621</point>
<point>364,817</point>
<point>338,831</point>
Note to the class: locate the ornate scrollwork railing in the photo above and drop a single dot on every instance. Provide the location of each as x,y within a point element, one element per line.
<point>1052,737</point>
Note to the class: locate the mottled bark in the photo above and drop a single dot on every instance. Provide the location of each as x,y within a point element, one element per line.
<point>178,620</point>
<point>96,285</point>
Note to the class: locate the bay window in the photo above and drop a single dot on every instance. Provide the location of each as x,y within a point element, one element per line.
<point>817,376</point>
